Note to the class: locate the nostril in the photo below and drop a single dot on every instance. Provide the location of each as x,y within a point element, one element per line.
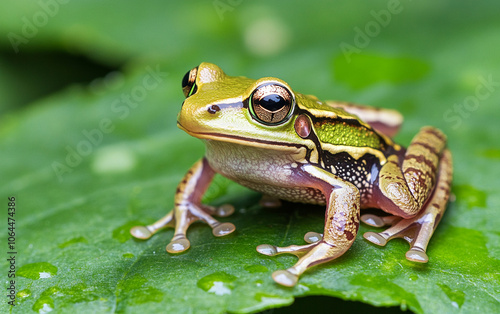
<point>213,109</point>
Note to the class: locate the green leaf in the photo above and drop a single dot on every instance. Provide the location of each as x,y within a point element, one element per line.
<point>382,69</point>
<point>91,160</point>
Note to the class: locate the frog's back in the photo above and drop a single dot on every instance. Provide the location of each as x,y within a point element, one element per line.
<point>335,126</point>
<point>348,147</point>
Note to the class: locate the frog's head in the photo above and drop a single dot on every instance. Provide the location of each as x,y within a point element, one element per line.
<point>241,110</point>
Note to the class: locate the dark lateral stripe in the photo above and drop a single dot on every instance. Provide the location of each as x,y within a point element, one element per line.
<point>350,121</point>
<point>422,159</point>
<point>429,147</point>
<point>322,120</point>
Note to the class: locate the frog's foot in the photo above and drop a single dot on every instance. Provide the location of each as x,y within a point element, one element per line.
<point>408,229</point>
<point>316,252</point>
<point>417,231</point>
<point>297,250</point>
<point>181,218</point>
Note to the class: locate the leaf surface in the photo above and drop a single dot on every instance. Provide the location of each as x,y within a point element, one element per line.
<point>85,164</point>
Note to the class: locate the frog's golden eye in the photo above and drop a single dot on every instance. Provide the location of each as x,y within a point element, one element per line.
<point>189,82</point>
<point>271,104</point>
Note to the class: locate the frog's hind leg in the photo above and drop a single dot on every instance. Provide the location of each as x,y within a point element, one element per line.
<point>403,188</point>
<point>418,230</point>
<point>341,227</point>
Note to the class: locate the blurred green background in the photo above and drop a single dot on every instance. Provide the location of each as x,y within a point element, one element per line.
<point>73,68</point>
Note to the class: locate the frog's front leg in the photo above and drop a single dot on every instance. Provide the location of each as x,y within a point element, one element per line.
<point>341,224</point>
<point>417,191</point>
<point>188,209</point>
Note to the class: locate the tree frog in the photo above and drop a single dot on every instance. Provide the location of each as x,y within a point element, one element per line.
<point>291,146</point>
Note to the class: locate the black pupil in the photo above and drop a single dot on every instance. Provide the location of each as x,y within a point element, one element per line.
<point>273,102</point>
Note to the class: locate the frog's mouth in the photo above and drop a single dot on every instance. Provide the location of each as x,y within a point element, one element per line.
<point>241,140</point>
<point>213,136</point>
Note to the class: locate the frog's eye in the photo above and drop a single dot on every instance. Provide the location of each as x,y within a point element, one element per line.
<point>271,104</point>
<point>189,82</point>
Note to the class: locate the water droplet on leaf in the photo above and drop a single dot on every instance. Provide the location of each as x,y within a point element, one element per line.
<point>37,270</point>
<point>219,283</point>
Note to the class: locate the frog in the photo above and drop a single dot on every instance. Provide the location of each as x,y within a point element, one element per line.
<point>293,147</point>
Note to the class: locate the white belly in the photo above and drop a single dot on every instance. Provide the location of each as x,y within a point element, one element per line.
<point>270,172</point>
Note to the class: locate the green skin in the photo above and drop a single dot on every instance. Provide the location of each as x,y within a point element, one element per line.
<point>293,147</point>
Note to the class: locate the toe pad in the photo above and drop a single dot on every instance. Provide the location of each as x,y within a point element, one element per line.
<point>372,220</point>
<point>375,238</point>
<point>267,249</point>
<point>417,255</point>
<point>178,246</point>
<point>285,278</point>
<point>223,229</point>
<point>140,232</point>
<point>312,237</point>
<point>224,210</point>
